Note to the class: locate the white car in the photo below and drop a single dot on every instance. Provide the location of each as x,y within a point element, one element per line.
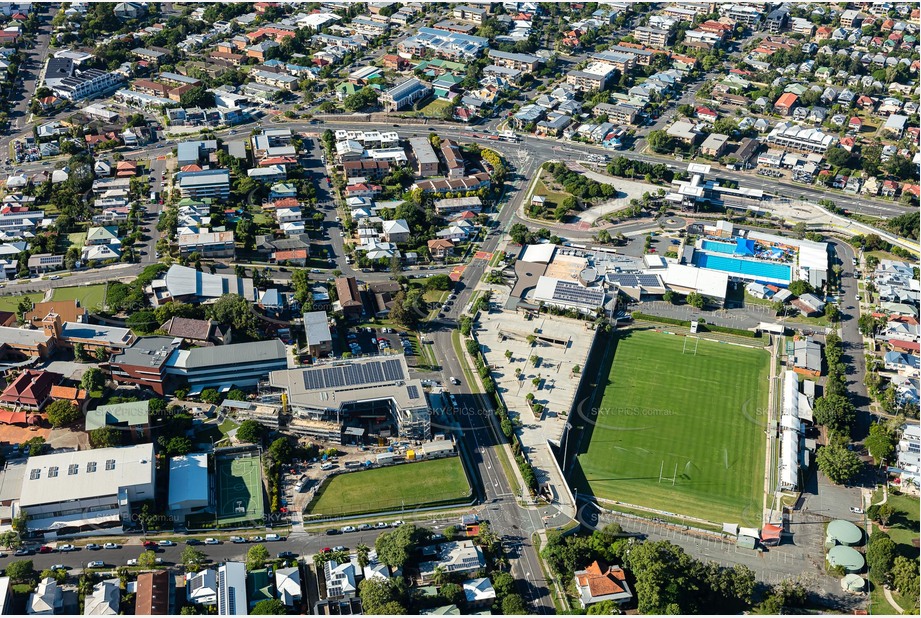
<point>67,547</point>
<point>96,564</point>
<point>110,546</point>
<point>349,529</point>
<point>856,510</point>
<point>132,562</point>
<point>166,544</point>
<point>212,541</point>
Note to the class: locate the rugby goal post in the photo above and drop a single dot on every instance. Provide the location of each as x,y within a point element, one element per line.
<point>686,348</point>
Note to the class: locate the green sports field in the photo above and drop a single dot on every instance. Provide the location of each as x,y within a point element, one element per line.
<point>239,490</point>
<point>698,418</point>
<point>439,481</point>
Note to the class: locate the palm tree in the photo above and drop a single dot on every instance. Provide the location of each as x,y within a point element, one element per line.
<point>362,551</point>
<point>439,576</point>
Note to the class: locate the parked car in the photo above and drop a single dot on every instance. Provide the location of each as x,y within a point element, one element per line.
<point>333,531</point>
<point>212,541</point>
<point>284,555</point>
<point>193,542</point>
<point>235,539</point>
<point>349,529</point>
<point>381,525</point>
<point>167,544</point>
<point>340,548</point>
<point>44,549</point>
<point>856,510</point>
<point>364,527</point>
<point>96,564</point>
<point>93,547</point>
<point>111,546</point>
<point>59,567</point>
<point>67,547</point>
<point>132,562</point>
<point>151,544</point>
<point>274,537</point>
<point>256,539</point>
<point>23,551</point>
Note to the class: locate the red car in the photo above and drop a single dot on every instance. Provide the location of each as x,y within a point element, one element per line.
<point>151,544</point>
<point>44,549</point>
<point>326,550</point>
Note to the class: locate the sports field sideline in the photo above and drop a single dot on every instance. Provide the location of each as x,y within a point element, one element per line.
<point>667,413</point>
<point>239,489</point>
<point>393,487</point>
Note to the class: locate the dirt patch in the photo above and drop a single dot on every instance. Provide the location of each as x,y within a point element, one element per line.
<point>14,434</point>
<point>68,438</point>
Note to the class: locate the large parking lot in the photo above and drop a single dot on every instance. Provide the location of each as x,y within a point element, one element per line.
<point>372,341</point>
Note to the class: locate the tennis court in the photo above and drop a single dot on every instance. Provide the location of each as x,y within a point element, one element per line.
<point>239,488</point>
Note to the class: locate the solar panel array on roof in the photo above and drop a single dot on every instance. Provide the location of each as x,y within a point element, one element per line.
<point>413,392</point>
<point>575,293</point>
<point>356,374</point>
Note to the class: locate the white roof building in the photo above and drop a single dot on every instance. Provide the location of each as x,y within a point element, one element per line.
<point>201,587</point>
<point>188,483</point>
<point>684,279</point>
<point>231,589</point>
<point>288,585</point>
<point>105,600</point>
<point>46,600</point>
<point>75,488</point>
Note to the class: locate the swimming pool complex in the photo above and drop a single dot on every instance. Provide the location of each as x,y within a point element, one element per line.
<point>744,268</point>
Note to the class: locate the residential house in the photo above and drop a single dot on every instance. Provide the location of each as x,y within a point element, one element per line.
<point>786,103</point>
<point>396,231</point>
<point>599,582</point>
<point>319,340</point>
<point>455,557</point>
<point>714,145</point>
<point>48,599</point>
<point>154,592</point>
<point>349,297</point>
<point>440,248</point>
<point>903,363</point>
<point>105,599</point>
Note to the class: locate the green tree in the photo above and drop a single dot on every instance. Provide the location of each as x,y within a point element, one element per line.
<point>193,559</point>
<point>20,570</point>
<point>178,445</point>
<point>453,594</point>
<point>93,380</point>
<point>514,605</point>
<point>670,297</point>
<point>784,596</point>
<point>837,463</point>
<point>904,575</point>
<point>696,300</point>
<point>605,608</point>
<point>142,322</point>
<point>880,443</point>
<point>250,431</point>
<point>881,552</point>
<point>439,282</point>
<point>800,287</point>
<point>503,583</point>
<point>210,395</point>
<point>236,311</point>
<point>245,233</point>
<point>269,607</point>
<point>105,437</point>
<point>147,560</point>
<point>394,548</point>
<point>836,413</point>
<point>256,557</point>
<point>659,141</point>
<point>280,450</point>
<point>376,594</point>
<point>58,575</point>
<point>62,413</point>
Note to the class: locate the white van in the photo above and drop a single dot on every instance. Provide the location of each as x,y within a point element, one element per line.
<point>272,537</point>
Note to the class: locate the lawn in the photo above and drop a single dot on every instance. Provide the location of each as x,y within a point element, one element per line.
<point>435,109</point>
<point>11,303</point>
<point>554,198</point>
<point>903,525</point>
<point>89,296</point>
<point>425,483</point>
<point>695,417</point>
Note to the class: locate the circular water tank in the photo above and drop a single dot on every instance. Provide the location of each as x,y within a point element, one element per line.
<point>588,276</point>
<point>847,557</point>
<point>844,532</point>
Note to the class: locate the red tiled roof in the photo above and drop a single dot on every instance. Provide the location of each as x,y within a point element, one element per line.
<point>787,99</point>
